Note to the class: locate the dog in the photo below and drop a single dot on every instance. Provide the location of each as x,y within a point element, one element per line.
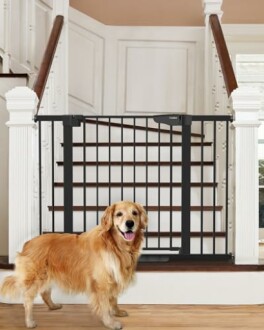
<point>100,262</point>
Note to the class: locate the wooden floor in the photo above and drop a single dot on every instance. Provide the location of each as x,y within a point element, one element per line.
<point>145,317</point>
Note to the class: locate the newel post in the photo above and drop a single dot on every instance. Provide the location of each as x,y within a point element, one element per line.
<point>246,105</point>
<point>210,7</point>
<point>23,222</point>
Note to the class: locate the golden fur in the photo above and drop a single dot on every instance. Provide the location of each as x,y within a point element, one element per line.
<point>100,262</point>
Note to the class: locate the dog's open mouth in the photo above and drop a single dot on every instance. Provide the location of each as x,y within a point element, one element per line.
<point>128,235</point>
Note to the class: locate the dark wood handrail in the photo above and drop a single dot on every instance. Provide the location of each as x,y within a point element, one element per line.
<point>41,80</point>
<point>224,58</point>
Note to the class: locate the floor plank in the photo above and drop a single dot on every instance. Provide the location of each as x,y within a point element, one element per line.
<point>145,317</point>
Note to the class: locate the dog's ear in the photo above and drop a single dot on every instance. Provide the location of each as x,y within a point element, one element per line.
<point>107,218</point>
<point>143,216</point>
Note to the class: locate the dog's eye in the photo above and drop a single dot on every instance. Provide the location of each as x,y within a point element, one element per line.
<point>135,213</point>
<point>119,214</point>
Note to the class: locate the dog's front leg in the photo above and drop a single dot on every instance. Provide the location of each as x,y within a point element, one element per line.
<point>100,304</point>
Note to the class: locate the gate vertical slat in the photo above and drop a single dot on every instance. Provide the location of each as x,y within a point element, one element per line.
<point>84,175</point>
<point>159,187</point>
<point>109,160</point>
<point>134,159</point>
<point>214,190</point>
<point>171,188</point>
<point>68,175</point>
<point>52,176</point>
<point>68,123</point>
<point>97,170</point>
<point>146,188</point>
<point>202,186</point>
<point>186,184</point>
<point>227,185</point>
<point>40,176</point>
<point>122,158</point>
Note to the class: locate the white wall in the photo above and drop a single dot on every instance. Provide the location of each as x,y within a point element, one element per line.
<point>134,70</point>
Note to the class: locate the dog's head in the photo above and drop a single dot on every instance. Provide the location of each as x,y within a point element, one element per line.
<point>127,218</point>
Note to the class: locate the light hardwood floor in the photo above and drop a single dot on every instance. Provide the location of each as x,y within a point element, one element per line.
<point>145,317</point>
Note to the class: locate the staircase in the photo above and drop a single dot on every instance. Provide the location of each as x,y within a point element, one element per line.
<point>134,158</point>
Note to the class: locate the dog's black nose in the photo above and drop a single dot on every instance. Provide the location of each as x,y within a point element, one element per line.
<point>130,224</point>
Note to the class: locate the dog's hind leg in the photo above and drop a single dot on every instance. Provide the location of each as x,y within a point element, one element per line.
<point>29,296</point>
<point>46,296</point>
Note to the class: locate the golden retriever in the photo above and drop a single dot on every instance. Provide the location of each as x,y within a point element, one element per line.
<point>100,262</point>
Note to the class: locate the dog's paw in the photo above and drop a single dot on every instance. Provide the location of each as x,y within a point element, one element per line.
<point>113,324</point>
<point>31,324</point>
<point>121,313</point>
<point>55,306</point>
<point>117,326</point>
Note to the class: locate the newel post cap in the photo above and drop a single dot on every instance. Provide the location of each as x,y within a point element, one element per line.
<point>212,7</point>
<point>21,103</point>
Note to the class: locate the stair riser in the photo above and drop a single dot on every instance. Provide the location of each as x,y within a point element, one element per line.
<point>141,154</point>
<point>165,217</point>
<point>195,245</point>
<point>140,172</point>
<point>127,135</point>
<point>140,193</point>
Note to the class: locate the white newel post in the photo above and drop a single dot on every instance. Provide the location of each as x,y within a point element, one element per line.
<point>246,105</point>
<point>23,221</point>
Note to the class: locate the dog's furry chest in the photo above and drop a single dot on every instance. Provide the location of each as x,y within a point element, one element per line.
<point>121,271</point>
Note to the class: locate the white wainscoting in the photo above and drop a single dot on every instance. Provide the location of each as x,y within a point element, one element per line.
<point>29,31</point>
<point>132,70</point>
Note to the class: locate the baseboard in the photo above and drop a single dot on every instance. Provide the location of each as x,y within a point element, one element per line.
<point>179,288</point>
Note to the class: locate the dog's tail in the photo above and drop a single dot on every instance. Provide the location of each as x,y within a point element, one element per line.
<point>10,287</point>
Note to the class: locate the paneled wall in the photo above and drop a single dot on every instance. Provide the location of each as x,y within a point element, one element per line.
<point>30,26</point>
<point>132,70</point>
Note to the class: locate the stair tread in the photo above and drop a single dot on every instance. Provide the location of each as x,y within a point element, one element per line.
<point>136,127</point>
<point>138,144</point>
<point>135,163</point>
<point>148,208</point>
<point>136,184</point>
<point>14,75</point>
<point>149,234</point>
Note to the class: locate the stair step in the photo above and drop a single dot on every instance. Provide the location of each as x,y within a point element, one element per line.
<point>136,127</point>
<point>179,234</point>
<point>138,144</point>
<point>136,163</point>
<point>168,234</point>
<point>148,208</point>
<point>136,184</point>
<point>14,75</point>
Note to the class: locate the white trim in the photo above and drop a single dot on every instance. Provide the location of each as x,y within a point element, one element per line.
<point>23,222</point>
<point>246,104</point>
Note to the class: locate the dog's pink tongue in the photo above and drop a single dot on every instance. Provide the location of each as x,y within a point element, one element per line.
<point>129,236</point>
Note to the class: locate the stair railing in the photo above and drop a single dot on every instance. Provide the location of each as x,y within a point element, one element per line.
<point>49,95</point>
<point>45,67</point>
<point>223,96</point>
<point>223,55</point>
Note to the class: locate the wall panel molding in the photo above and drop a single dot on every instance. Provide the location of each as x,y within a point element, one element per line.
<point>132,70</point>
<point>86,65</point>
